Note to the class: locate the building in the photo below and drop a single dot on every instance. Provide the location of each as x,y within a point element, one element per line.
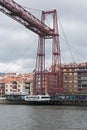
<point>70,78</point>
<point>74,81</point>
<point>14,87</point>
<point>18,84</point>
<point>2,89</point>
<point>82,79</point>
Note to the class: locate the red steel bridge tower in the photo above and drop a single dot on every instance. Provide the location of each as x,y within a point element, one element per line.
<point>19,14</point>
<point>55,76</point>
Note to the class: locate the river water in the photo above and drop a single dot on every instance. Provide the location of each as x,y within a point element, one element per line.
<point>24,117</point>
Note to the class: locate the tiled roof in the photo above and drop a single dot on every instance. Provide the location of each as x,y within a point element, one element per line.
<point>18,78</point>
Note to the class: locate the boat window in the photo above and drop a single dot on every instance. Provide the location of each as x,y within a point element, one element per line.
<point>44,97</point>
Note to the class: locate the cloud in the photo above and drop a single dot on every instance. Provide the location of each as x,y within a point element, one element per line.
<point>18,45</point>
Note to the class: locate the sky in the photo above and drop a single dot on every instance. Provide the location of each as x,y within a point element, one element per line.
<point>18,45</point>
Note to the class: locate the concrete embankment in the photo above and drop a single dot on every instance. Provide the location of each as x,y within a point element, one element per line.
<point>52,102</point>
<point>73,103</point>
<point>69,102</point>
<point>2,100</point>
<point>6,101</point>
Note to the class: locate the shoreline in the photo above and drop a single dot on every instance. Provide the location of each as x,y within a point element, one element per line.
<point>51,102</point>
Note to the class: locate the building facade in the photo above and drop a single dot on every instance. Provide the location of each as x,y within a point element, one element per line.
<point>2,89</point>
<point>18,84</point>
<point>82,79</point>
<point>14,87</point>
<point>70,79</point>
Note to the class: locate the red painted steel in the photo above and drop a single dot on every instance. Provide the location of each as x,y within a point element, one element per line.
<point>55,84</point>
<point>18,13</point>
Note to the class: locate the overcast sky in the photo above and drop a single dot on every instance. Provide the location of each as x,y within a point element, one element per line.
<point>18,45</point>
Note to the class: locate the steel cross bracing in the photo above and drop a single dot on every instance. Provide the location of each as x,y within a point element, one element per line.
<point>48,82</point>
<point>18,13</point>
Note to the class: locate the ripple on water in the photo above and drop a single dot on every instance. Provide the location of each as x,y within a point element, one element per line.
<point>23,117</point>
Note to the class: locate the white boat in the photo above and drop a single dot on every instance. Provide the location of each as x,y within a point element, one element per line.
<point>37,98</point>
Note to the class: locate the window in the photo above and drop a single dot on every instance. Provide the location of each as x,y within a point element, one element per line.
<point>64,70</point>
<point>84,78</point>
<point>18,90</point>
<point>70,73</point>
<point>79,89</point>
<point>84,85</point>
<point>10,90</point>
<point>75,73</point>
<point>83,82</point>
<point>65,77</point>
<point>14,86</point>
<point>6,90</point>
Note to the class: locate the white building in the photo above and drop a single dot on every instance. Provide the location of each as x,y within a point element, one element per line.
<point>16,87</point>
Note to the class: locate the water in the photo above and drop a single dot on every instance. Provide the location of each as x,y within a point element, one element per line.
<point>24,117</point>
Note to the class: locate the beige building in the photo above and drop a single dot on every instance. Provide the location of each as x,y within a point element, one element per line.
<point>70,79</point>
<point>15,87</point>
<point>18,84</point>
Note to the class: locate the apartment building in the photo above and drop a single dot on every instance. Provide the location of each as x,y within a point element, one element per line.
<point>2,89</point>
<point>82,78</point>
<point>13,87</point>
<point>70,78</point>
<point>74,80</point>
<point>18,84</point>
